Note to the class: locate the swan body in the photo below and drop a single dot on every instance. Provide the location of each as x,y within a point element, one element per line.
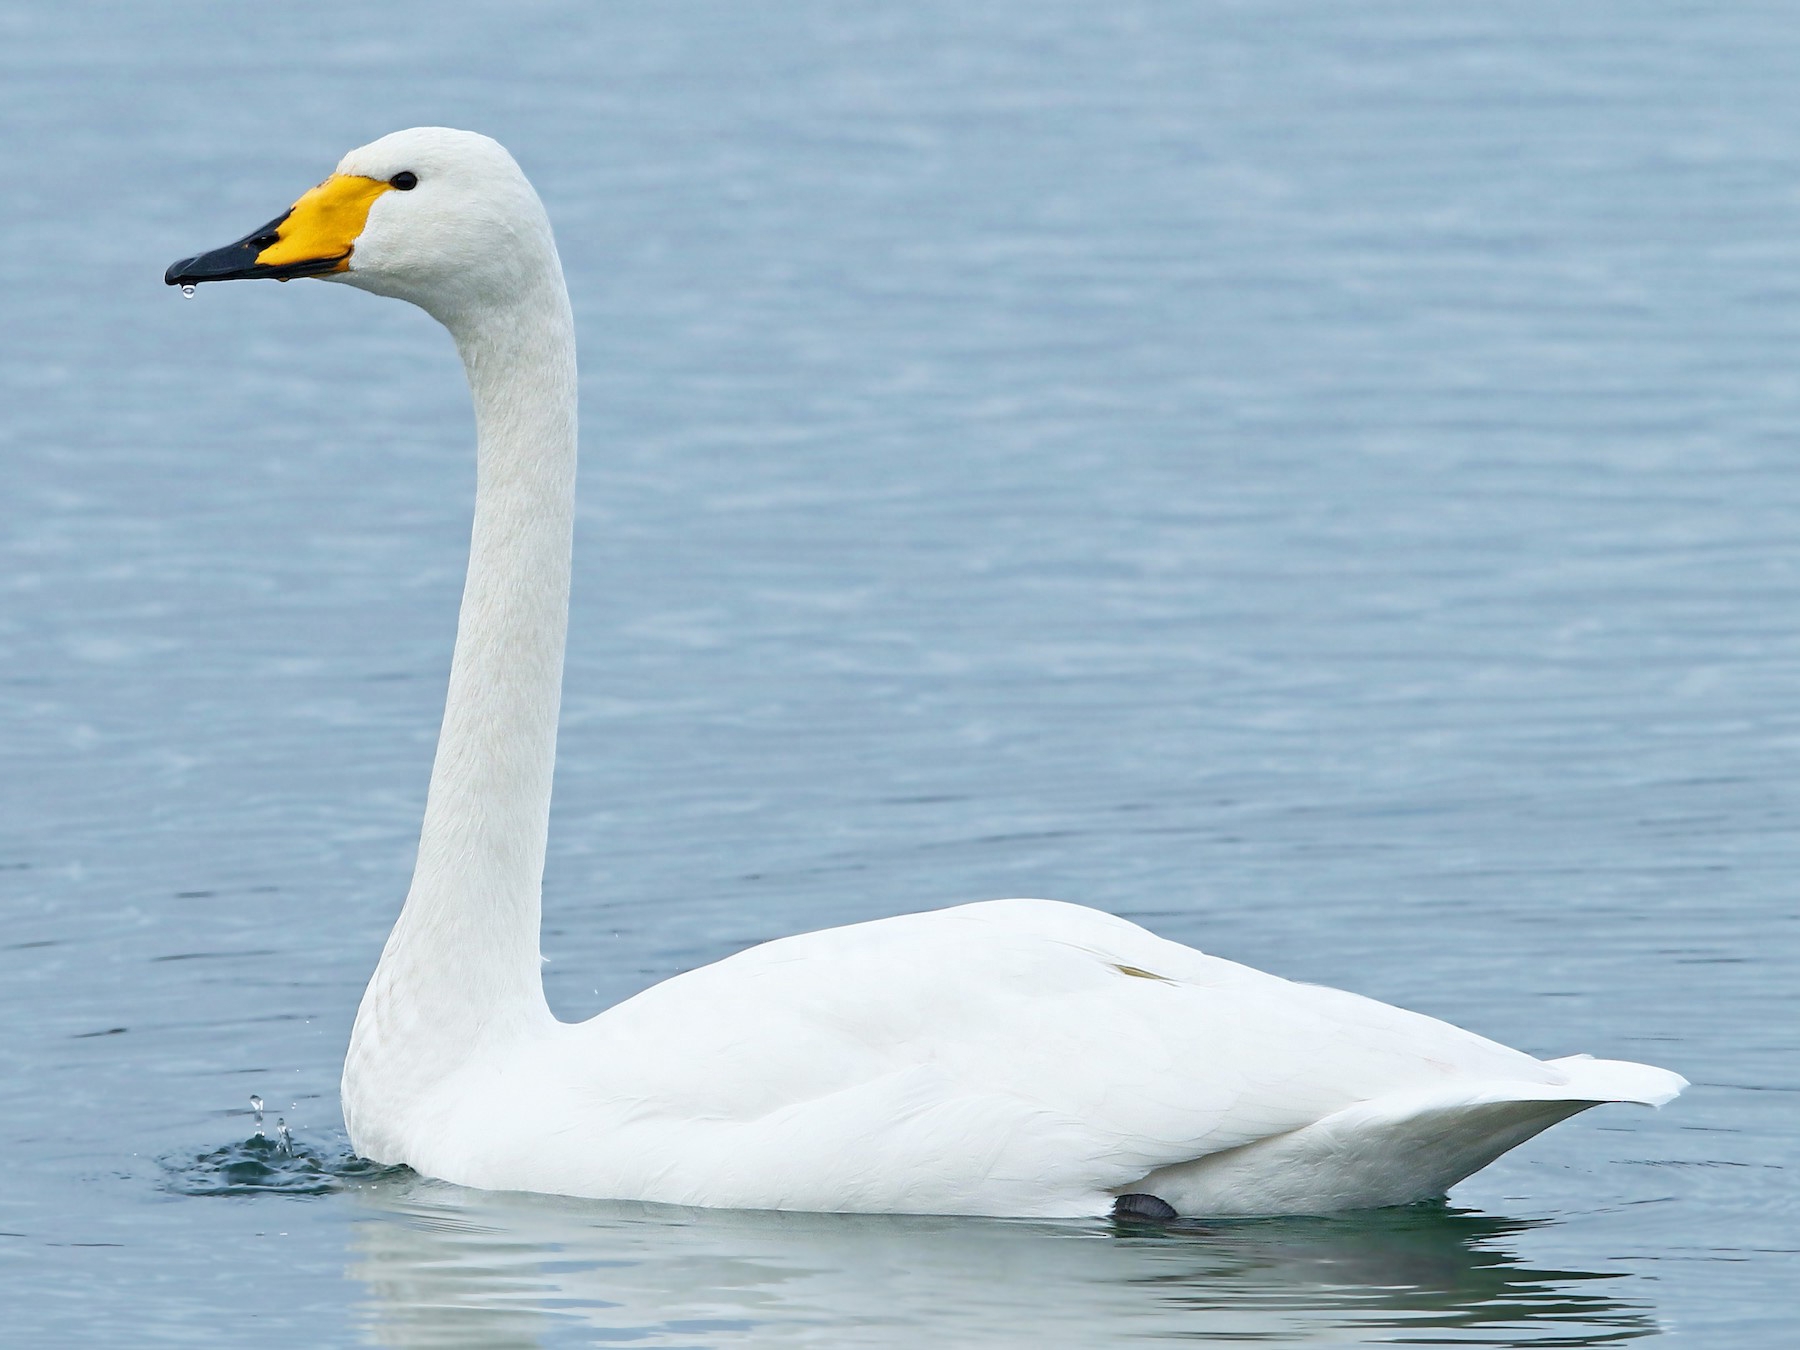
<point>1016,1057</point>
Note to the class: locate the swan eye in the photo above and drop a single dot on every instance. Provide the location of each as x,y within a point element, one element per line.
<point>406,180</point>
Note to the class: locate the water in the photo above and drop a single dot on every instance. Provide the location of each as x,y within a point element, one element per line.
<point>1318,480</point>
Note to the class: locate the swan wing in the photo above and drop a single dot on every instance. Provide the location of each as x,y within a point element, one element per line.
<point>1011,1057</point>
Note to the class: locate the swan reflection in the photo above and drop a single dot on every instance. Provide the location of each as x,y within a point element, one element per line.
<point>449,1267</point>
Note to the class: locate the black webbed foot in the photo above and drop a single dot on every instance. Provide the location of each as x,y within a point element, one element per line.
<point>1140,1208</point>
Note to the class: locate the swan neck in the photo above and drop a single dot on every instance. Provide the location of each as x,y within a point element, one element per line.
<point>467,940</point>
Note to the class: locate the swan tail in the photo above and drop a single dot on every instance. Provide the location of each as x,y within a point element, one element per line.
<point>1619,1080</point>
<point>1400,1148</point>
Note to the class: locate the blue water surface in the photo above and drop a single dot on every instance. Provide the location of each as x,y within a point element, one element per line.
<point>1319,480</point>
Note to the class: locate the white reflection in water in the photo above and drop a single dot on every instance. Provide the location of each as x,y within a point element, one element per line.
<point>448,1267</point>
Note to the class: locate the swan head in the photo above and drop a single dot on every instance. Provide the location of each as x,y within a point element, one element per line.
<point>442,218</point>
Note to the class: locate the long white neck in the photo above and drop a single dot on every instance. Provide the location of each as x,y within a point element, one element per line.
<point>462,961</point>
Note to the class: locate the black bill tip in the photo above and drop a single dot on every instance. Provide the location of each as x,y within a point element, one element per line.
<point>237,262</point>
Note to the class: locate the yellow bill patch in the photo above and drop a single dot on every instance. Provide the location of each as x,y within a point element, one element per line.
<point>324,223</point>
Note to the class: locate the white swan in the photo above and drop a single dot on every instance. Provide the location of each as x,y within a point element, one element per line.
<point>1020,1057</point>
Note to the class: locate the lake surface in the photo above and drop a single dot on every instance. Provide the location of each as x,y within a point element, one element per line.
<point>1318,480</point>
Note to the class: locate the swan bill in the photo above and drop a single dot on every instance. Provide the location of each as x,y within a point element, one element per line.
<point>312,238</point>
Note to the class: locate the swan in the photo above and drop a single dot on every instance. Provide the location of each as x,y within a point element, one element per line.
<point>1023,1058</point>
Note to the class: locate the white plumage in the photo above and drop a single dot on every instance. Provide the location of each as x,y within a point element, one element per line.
<point>1018,1057</point>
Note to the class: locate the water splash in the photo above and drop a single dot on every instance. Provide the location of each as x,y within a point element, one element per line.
<point>284,1165</point>
<point>281,1166</point>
